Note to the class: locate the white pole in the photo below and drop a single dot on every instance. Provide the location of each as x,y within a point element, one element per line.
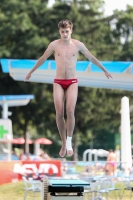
<point>9,150</point>
<point>5,110</point>
<point>126,155</point>
<point>36,148</point>
<point>5,116</point>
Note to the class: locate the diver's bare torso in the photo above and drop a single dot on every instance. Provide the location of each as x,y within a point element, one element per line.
<point>66,57</point>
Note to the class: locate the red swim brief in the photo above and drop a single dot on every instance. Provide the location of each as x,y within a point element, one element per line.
<point>65,83</point>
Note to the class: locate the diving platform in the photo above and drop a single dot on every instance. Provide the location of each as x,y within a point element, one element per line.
<point>88,74</point>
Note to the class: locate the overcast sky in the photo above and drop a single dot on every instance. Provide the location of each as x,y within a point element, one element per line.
<point>110,5</point>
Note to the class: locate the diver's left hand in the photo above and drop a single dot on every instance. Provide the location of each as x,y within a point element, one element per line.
<point>108,75</point>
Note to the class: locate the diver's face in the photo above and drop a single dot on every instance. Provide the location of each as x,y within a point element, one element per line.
<point>65,33</point>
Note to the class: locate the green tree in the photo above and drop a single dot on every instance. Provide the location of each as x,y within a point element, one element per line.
<point>22,28</point>
<point>124,30</point>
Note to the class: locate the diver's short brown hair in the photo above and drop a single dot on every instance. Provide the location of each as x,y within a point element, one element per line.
<point>65,23</point>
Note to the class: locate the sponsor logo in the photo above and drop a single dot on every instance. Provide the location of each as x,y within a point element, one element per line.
<point>31,168</point>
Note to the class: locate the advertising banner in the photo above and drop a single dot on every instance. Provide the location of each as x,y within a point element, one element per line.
<point>14,170</point>
<point>48,168</point>
<point>7,173</point>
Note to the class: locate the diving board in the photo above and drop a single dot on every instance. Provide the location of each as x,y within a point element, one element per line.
<point>63,189</point>
<point>88,74</point>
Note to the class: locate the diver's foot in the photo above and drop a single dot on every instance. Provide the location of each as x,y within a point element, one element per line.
<point>62,152</point>
<point>70,152</point>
